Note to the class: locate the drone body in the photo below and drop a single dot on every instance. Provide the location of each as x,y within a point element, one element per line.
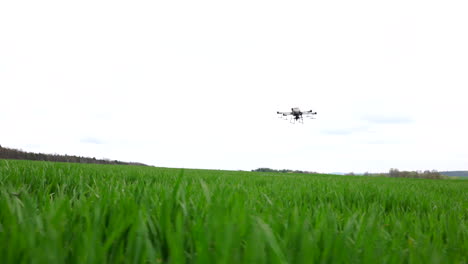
<point>297,115</point>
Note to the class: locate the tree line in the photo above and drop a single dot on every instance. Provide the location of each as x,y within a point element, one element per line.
<point>395,173</point>
<point>9,153</point>
<point>283,171</point>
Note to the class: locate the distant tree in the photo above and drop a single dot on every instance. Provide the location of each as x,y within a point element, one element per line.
<point>415,174</point>
<point>394,173</point>
<point>283,171</point>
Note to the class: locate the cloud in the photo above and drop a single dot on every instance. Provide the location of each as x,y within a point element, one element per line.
<point>92,140</point>
<point>388,119</point>
<point>338,132</point>
<point>383,142</point>
<point>344,131</point>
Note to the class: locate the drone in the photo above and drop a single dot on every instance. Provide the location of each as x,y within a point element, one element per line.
<point>296,115</point>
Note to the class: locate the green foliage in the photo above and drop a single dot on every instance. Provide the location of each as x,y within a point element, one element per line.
<point>86,213</point>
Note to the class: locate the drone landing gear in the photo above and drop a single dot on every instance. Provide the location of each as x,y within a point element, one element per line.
<point>295,120</point>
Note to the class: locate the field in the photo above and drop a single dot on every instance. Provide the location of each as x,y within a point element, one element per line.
<point>76,213</point>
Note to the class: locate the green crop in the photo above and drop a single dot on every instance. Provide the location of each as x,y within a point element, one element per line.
<point>84,213</point>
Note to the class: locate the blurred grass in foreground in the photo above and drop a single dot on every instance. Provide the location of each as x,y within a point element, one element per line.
<point>84,213</point>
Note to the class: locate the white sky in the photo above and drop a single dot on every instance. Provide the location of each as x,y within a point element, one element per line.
<point>197,84</point>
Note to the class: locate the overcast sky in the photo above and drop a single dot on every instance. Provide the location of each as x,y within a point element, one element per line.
<point>196,84</point>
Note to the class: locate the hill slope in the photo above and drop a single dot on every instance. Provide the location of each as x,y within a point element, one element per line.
<point>9,153</point>
<point>455,173</point>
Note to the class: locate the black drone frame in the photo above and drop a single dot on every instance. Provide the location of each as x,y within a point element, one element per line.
<point>297,116</point>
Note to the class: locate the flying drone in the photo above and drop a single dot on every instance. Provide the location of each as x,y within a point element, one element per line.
<point>296,115</point>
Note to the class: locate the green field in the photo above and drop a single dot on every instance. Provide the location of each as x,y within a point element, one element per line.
<point>77,213</point>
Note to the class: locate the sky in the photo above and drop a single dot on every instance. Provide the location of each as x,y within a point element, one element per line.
<point>197,84</point>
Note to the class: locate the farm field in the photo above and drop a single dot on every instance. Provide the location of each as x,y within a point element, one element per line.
<point>86,213</point>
